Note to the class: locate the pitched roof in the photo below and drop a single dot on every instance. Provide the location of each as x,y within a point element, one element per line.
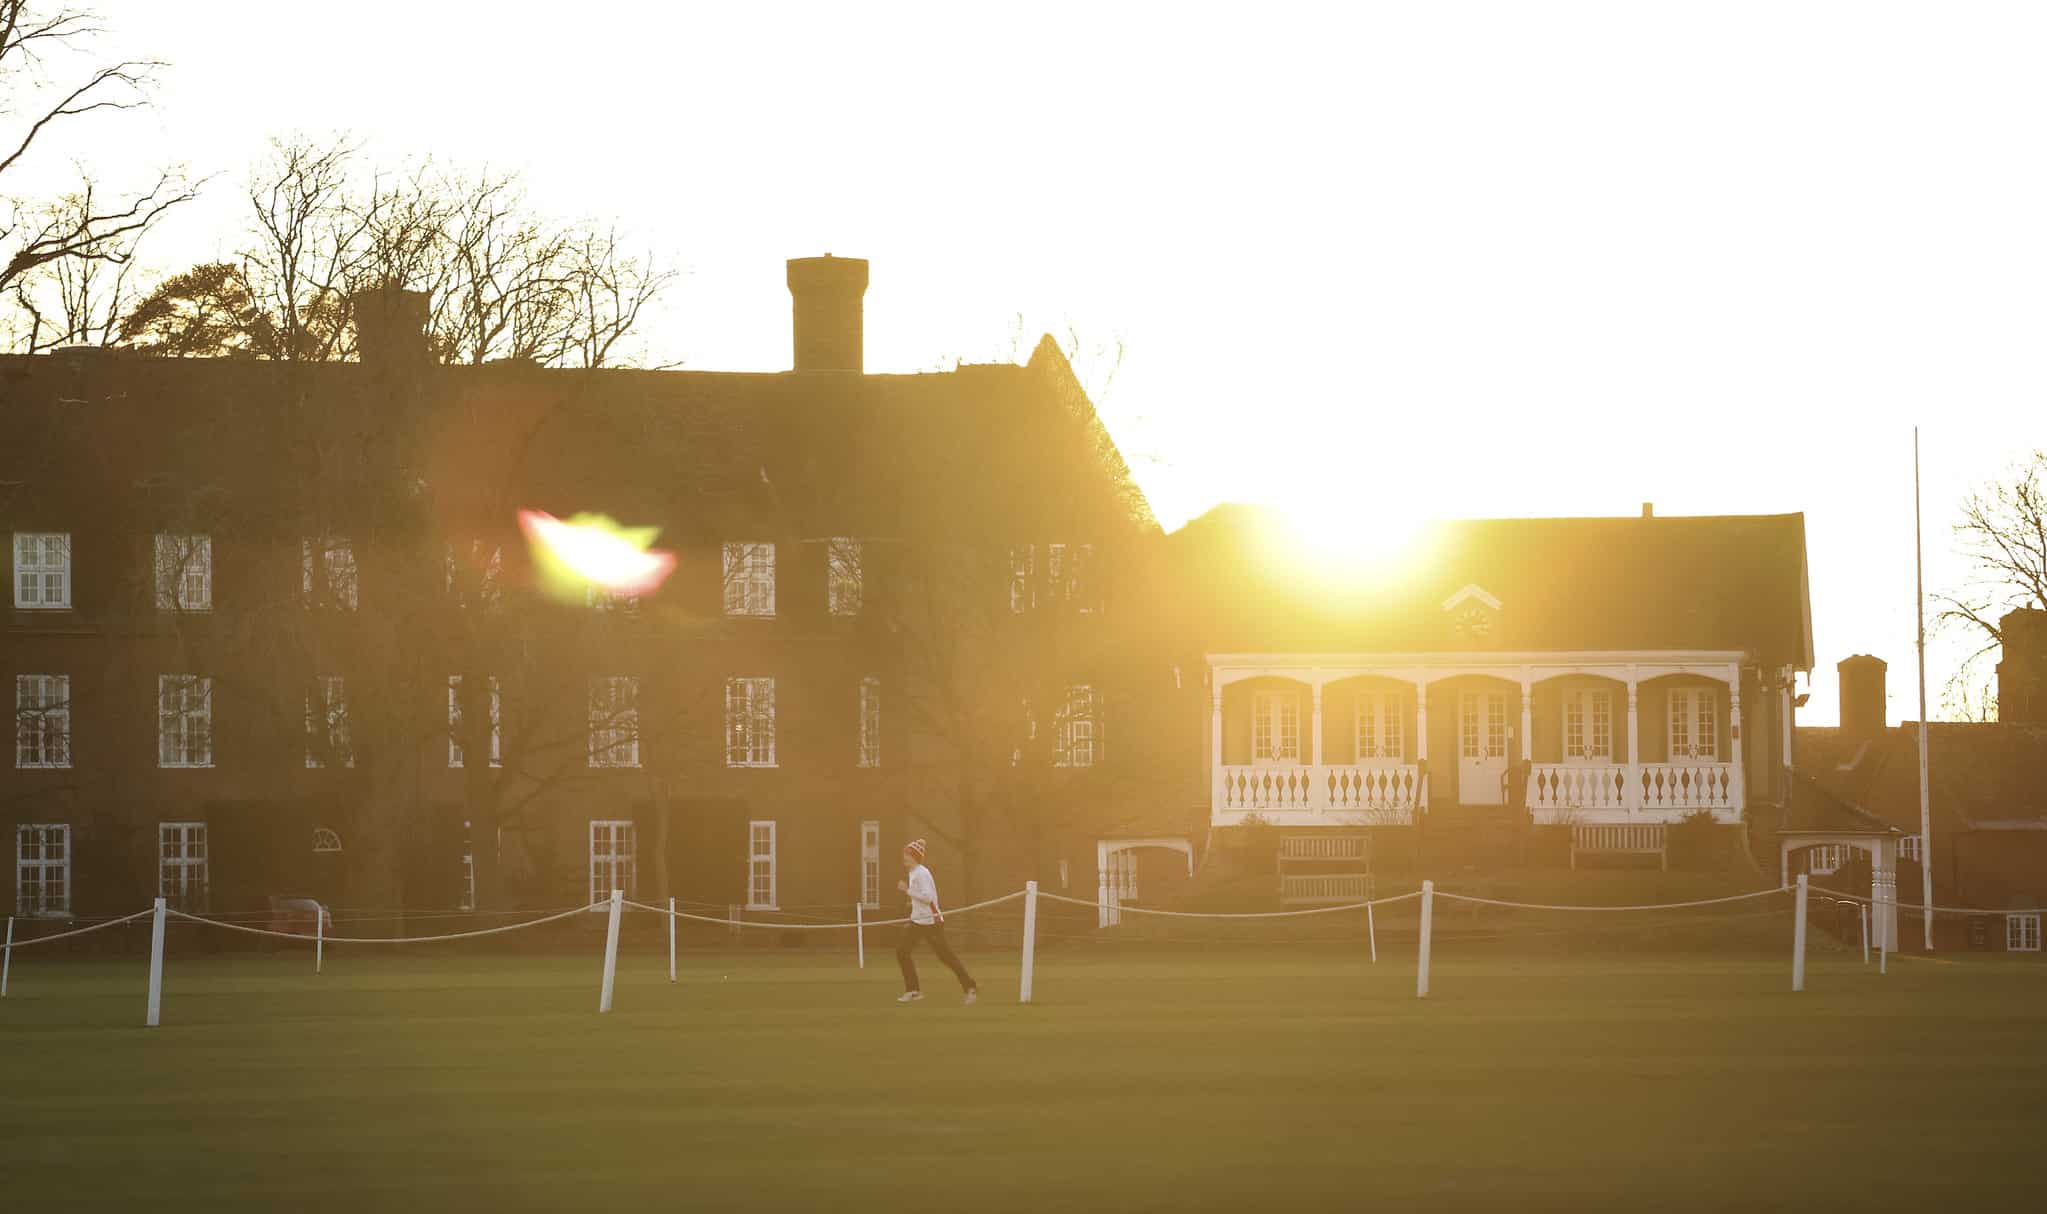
<point>1697,583</point>
<point>1981,776</point>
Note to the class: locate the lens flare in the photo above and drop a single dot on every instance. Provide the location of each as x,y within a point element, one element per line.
<point>591,550</point>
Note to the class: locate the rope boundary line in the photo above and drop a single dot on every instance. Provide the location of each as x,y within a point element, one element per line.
<point>815,927</point>
<point>1761,893</point>
<point>80,931</point>
<point>306,938</point>
<point>1320,910</point>
<point>1866,900</point>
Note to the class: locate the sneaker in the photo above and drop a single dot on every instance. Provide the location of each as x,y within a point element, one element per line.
<point>971,998</point>
<point>909,996</point>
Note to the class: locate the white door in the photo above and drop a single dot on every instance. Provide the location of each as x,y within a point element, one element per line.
<point>1481,747</point>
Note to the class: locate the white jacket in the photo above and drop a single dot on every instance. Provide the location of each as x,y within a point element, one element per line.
<point>923,897</point>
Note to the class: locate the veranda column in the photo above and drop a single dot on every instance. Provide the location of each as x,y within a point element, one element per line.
<point>1215,743</point>
<point>1634,747</point>
<point>1527,717</point>
<point>1101,884</point>
<point>1318,793</point>
<point>1421,741</point>
<point>1738,792</point>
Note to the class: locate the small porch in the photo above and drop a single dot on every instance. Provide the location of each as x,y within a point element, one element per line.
<point>1373,740</point>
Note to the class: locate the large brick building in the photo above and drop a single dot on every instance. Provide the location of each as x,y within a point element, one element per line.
<point>267,620</point>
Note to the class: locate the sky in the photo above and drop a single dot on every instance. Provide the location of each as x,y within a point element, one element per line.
<point>1394,261</point>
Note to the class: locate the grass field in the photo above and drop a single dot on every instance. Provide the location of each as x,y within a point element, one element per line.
<point>1161,1079</point>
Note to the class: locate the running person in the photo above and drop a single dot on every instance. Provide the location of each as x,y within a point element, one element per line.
<point>926,923</point>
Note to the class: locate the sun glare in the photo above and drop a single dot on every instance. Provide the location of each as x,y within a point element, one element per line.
<point>1343,540</point>
<point>591,550</point>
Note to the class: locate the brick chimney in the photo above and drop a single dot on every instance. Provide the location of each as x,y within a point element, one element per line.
<point>825,293</point>
<point>1862,697</point>
<point>2022,670</point>
<point>390,326</point>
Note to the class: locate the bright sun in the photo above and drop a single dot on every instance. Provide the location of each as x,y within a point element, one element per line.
<point>1341,538</point>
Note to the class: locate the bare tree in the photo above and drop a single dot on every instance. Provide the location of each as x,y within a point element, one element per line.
<point>62,262</point>
<point>2003,532</point>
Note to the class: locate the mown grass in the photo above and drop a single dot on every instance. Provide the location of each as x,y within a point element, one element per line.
<point>1168,1077</point>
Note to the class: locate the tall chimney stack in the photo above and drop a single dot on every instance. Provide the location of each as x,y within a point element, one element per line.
<point>2022,668</point>
<point>825,294</point>
<point>1862,697</point>
<point>390,326</point>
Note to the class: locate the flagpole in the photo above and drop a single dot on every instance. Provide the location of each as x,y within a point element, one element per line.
<point>1925,785</point>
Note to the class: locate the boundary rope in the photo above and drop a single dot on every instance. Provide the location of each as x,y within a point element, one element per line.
<point>1866,900</point>
<point>817,927</point>
<point>1761,893</point>
<point>1320,910</point>
<point>308,938</point>
<point>80,931</point>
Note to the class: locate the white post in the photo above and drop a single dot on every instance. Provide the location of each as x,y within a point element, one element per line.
<point>1421,973</point>
<point>319,937</point>
<point>1864,908</point>
<point>671,939</point>
<point>1318,790</point>
<point>1925,789</point>
<point>1102,877</point>
<point>1217,794</point>
<point>1030,942</point>
<point>1372,933</point>
<point>610,951</point>
<point>1421,742</point>
<point>1798,940</point>
<point>1634,797</point>
<point>7,959</point>
<point>1527,715</point>
<point>156,966</point>
<point>860,931</point>
<point>1734,738</point>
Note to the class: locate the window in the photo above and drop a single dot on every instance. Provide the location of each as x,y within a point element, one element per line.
<point>476,574</point>
<point>870,865</point>
<point>455,738</point>
<point>1023,586</point>
<point>749,722</point>
<point>1381,718</point>
<point>1826,858</point>
<point>42,570</point>
<point>1078,737</point>
<point>1069,571</point>
<point>1588,726</point>
<point>327,573</point>
<point>184,572</point>
<point>1693,725</point>
<point>844,574</point>
<point>184,721</point>
<point>1275,727</point>
<point>181,877</point>
<point>615,721</point>
<point>760,866</point>
<point>327,724</point>
<point>750,579</point>
<point>1912,847</point>
<point>2022,932</point>
<point>42,871</point>
<point>42,720</point>
<point>614,861</point>
<point>870,722</point>
<point>1482,725</point>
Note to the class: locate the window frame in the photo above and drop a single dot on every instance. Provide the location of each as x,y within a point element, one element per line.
<point>42,571</point>
<point>340,573</point>
<point>333,704</point>
<point>490,570</point>
<point>456,757</point>
<point>870,722</point>
<point>1585,711</point>
<point>180,556</point>
<point>183,715</point>
<point>1273,715</point>
<point>185,864</point>
<point>845,576</point>
<point>1700,716</point>
<point>747,721</point>
<point>755,859</point>
<point>749,580</point>
<point>870,864</point>
<point>40,905</point>
<point>1023,585</point>
<point>1380,735</point>
<point>33,721</point>
<point>612,715</point>
<point>1077,736</point>
<point>2022,931</point>
<point>615,862</point>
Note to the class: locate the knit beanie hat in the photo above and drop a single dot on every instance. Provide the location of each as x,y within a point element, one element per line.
<point>914,849</point>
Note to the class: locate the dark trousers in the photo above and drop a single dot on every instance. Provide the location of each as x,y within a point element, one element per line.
<point>935,933</point>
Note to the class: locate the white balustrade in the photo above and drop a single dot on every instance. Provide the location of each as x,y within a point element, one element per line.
<point>1688,786</point>
<point>1331,887</point>
<point>1388,790</point>
<point>1555,787</point>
